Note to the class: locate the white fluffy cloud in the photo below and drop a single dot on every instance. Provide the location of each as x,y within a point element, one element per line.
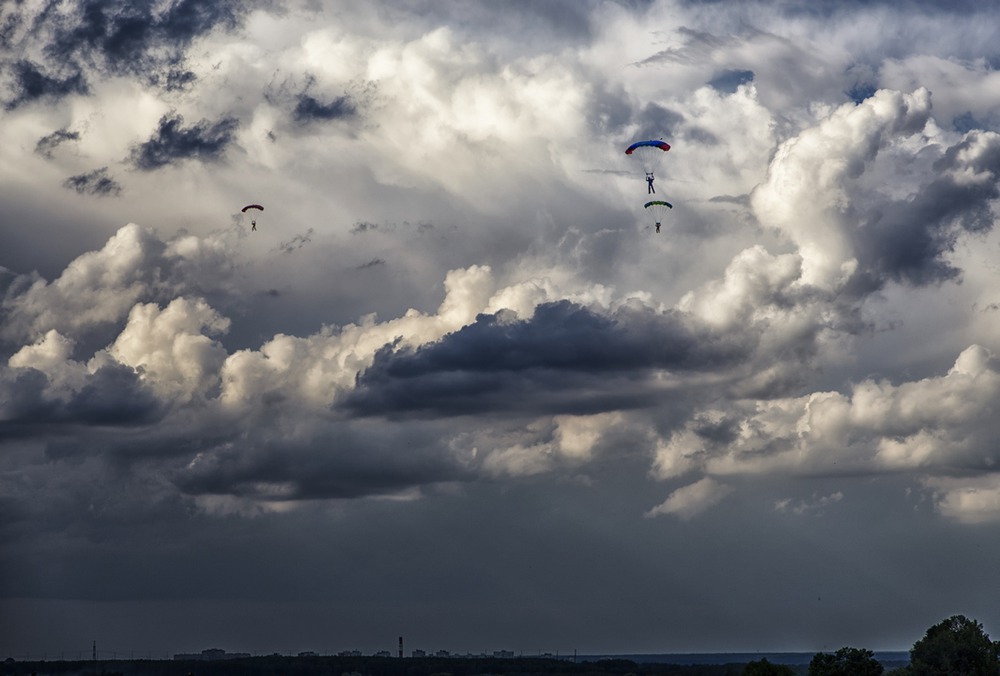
<point>689,501</point>
<point>805,194</point>
<point>934,426</point>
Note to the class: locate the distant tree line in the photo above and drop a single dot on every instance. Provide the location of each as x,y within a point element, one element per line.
<point>957,646</point>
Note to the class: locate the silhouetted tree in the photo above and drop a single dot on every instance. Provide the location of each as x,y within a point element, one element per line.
<point>845,662</point>
<point>764,668</point>
<point>957,645</point>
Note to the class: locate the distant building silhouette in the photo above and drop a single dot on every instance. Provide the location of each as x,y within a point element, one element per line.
<point>210,654</point>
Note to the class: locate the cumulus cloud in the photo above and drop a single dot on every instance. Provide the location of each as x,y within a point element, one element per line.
<point>169,348</point>
<point>935,426</point>
<point>805,194</point>
<point>968,500</point>
<point>101,287</point>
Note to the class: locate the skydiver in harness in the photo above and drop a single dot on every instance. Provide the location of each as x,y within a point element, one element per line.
<point>657,226</point>
<point>649,180</point>
<point>253,223</point>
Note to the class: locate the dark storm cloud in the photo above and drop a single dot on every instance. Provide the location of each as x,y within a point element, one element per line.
<point>564,350</point>
<point>31,82</point>
<point>116,37</point>
<point>173,79</point>
<point>112,396</point>
<point>48,143</point>
<point>172,141</point>
<point>23,402</point>
<point>906,241</point>
<point>861,91</point>
<point>347,461</point>
<point>309,108</point>
<point>728,81</point>
<point>129,37</point>
<point>96,182</point>
<point>966,122</point>
<point>656,122</point>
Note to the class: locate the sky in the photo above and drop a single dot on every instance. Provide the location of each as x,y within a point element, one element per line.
<point>455,387</point>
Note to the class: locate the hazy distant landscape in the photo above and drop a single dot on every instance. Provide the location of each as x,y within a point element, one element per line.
<point>691,664</point>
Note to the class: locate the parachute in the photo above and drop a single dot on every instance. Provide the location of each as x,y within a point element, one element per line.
<point>253,208</point>
<point>648,153</point>
<point>658,208</point>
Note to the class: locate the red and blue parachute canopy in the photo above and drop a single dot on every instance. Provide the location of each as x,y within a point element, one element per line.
<point>648,154</point>
<point>647,144</point>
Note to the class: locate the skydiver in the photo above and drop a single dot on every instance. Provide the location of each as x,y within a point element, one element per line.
<point>253,224</point>
<point>649,180</point>
<point>657,226</point>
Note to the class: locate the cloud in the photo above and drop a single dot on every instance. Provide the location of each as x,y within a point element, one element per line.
<point>50,142</point>
<point>308,108</point>
<point>501,362</point>
<point>296,242</point>
<point>806,194</point>
<point>938,427</point>
<point>96,182</point>
<point>31,83</point>
<point>99,288</point>
<point>169,347</point>
<point>109,38</point>
<point>691,500</point>
<point>727,81</point>
<point>205,141</point>
<point>48,389</point>
<point>275,471</point>
<point>448,306</point>
<point>815,505</point>
<point>969,500</point>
